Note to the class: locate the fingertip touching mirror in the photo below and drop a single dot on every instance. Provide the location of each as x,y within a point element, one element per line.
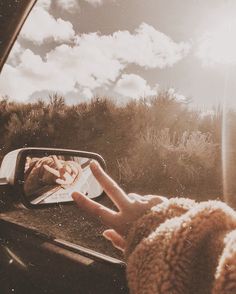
<point>46,176</point>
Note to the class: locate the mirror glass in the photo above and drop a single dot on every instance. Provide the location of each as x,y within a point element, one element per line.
<point>52,179</point>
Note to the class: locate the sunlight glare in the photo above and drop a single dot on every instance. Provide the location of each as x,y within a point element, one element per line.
<point>218,46</point>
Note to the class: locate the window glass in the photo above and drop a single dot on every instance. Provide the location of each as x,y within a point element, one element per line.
<point>147,84</point>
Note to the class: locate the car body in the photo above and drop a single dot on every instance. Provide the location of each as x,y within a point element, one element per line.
<point>55,248</point>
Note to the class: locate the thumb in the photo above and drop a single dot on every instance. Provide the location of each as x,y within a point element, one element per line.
<point>116,239</point>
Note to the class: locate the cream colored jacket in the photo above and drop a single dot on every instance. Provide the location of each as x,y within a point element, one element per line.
<point>182,247</point>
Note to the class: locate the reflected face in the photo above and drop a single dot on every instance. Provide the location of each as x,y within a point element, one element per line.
<point>53,178</point>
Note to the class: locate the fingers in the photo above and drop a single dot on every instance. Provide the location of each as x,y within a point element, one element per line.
<point>62,172</point>
<point>115,238</point>
<point>67,168</point>
<point>68,178</point>
<point>57,162</point>
<point>75,170</point>
<point>52,170</point>
<point>67,181</point>
<point>63,177</point>
<point>106,215</point>
<point>60,182</point>
<point>115,193</point>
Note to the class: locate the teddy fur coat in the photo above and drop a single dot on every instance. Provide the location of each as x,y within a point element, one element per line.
<point>183,247</point>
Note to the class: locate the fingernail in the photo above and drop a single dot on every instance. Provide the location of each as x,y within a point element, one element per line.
<point>94,164</point>
<point>106,236</point>
<point>75,196</point>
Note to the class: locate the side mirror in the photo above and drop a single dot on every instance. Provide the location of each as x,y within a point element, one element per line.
<point>44,176</point>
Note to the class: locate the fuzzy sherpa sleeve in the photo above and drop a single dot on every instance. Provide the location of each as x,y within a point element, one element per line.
<point>181,247</point>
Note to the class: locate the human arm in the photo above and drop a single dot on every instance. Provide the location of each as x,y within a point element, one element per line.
<point>171,246</point>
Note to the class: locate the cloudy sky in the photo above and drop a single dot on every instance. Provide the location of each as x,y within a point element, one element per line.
<point>125,49</point>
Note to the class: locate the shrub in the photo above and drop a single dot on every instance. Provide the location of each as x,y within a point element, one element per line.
<point>150,145</point>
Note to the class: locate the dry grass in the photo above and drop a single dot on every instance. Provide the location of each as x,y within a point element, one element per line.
<point>151,146</point>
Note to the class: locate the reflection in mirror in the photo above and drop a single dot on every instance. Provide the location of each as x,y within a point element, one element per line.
<point>52,179</point>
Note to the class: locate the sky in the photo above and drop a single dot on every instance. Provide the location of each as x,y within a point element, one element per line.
<point>125,49</point>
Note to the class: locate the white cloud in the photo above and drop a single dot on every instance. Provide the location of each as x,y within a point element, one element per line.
<point>218,46</point>
<point>88,66</point>
<point>133,86</point>
<point>41,26</point>
<point>33,74</point>
<point>93,62</point>
<point>65,69</point>
<point>16,51</point>
<point>87,94</point>
<point>147,47</point>
<point>179,97</point>
<point>95,2</point>
<point>46,4</point>
<point>73,5</point>
<point>69,5</point>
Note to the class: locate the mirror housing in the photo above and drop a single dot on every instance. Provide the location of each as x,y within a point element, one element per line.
<point>15,166</point>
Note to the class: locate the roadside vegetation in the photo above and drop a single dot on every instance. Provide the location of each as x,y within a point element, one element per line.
<point>156,145</point>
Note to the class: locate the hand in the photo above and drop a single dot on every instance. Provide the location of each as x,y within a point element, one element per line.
<point>131,207</point>
<point>65,174</point>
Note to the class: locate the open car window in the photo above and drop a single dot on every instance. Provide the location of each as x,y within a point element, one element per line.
<point>147,84</point>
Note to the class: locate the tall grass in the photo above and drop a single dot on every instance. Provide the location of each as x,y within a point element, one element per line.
<point>172,164</point>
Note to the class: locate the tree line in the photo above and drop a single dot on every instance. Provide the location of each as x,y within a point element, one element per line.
<point>151,145</point>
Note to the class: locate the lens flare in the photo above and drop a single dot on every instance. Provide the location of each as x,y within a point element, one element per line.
<point>218,48</point>
<point>228,147</point>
